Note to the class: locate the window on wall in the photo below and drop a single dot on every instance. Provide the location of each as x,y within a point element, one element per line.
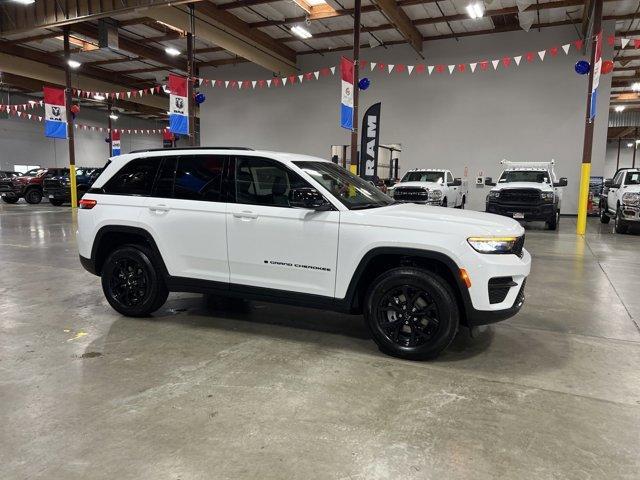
<point>24,168</point>
<point>135,178</point>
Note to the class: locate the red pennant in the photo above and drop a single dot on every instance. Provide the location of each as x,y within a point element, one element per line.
<point>308,76</point>
<point>400,68</point>
<point>261,83</point>
<point>382,67</point>
<point>219,83</point>
<point>578,43</point>
<point>292,79</point>
<point>506,61</point>
<point>530,56</point>
<point>439,68</point>
<point>553,51</point>
<point>246,84</point>
<point>420,68</point>
<point>277,82</point>
<point>636,43</point>
<point>325,71</point>
<point>462,67</point>
<point>363,64</point>
<point>611,40</point>
<point>484,64</point>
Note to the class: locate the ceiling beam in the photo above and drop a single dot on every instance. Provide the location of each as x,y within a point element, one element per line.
<point>229,32</point>
<point>401,22</point>
<point>224,61</point>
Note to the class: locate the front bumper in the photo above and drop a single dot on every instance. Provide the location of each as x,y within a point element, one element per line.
<point>11,191</point>
<point>435,203</point>
<point>531,213</point>
<point>476,318</point>
<point>630,214</point>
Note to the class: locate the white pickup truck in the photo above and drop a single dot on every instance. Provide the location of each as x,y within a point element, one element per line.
<point>431,186</point>
<point>621,199</point>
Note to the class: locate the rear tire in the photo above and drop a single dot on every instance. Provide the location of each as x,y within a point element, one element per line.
<point>411,313</point>
<point>10,199</point>
<point>620,225</point>
<point>604,217</point>
<point>444,202</point>
<point>33,196</point>
<point>132,283</point>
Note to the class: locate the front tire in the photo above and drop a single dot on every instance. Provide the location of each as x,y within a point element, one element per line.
<point>132,283</point>
<point>620,225</point>
<point>56,203</point>
<point>604,217</point>
<point>552,224</point>
<point>10,199</point>
<point>33,196</point>
<point>411,313</point>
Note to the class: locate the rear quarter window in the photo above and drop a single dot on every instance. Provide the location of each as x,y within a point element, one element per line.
<point>134,178</point>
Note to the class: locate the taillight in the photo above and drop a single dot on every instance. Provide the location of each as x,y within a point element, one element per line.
<point>87,203</point>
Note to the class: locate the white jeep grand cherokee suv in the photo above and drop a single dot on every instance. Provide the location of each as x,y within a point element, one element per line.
<point>294,229</point>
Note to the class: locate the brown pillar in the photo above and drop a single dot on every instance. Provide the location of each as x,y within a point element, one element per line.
<point>70,128</point>
<point>356,71</point>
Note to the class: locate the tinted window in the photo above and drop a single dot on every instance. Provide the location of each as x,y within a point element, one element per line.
<point>135,178</point>
<point>163,188</point>
<point>264,182</point>
<point>199,177</point>
<point>423,177</point>
<point>618,178</point>
<point>535,176</point>
<point>449,177</point>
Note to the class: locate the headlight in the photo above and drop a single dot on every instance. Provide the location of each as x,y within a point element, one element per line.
<point>493,195</point>
<point>435,195</point>
<point>547,197</point>
<point>631,199</point>
<point>492,244</point>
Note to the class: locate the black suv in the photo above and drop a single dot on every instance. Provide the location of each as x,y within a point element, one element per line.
<point>58,188</point>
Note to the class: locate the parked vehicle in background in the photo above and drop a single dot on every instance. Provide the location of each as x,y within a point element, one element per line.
<point>431,186</point>
<point>527,191</point>
<point>287,228</point>
<point>621,199</point>
<point>58,188</point>
<point>8,174</point>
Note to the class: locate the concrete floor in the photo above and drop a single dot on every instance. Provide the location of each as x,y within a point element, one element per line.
<point>274,392</point>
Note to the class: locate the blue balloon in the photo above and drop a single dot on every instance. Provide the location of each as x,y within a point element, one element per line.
<point>582,67</point>
<point>364,83</point>
<point>200,98</point>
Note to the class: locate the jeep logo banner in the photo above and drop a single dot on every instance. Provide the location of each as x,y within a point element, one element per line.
<point>55,113</point>
<point>178,105</point>
<point>369,140</point>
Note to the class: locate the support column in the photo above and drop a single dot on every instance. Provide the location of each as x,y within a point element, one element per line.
<point>585,173</point>
<point>70,127</point>
<point>356,75</point>
<point>635,148</point>
<point>618,157</point>
<point>190,74</point>
<point>109,126</point>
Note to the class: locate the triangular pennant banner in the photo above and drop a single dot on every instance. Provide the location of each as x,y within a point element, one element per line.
<point>316,74</point>
<point>373,66</point>
<point>430,68</point>
<point>541,54</point>
<point>495,64</point>
<point>517,59</point>
<point>451,68</point>
<point>566,48</point>
<point>284,80</point>
<point>333,70</point>
<point>624,42</point>
<point>254,83</point>
<point>300,78</point>
<point>473,66</point>
<point>409,69</point>
<point>269,83</point>
<point>226,84</point>
<point>390,67</point>
<point>553,51</point>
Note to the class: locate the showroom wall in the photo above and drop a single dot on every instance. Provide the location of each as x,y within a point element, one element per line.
<point>626,156</point>
<point>24,143</point>
<point>463,121</point>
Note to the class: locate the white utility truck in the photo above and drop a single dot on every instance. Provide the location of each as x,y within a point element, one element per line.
<point>621,199</point>
<point>431,186</point>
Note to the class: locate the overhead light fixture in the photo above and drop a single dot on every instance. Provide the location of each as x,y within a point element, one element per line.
<point>301,32</point>
<point>74,63</point>
<point>620,108</point>
<point>475,10</point>
<point>113,116</point>
<point>25,2</point>
<point>629,145</point>
<point>97,96</point>
<point>636,87</point>
<point>174,52</point>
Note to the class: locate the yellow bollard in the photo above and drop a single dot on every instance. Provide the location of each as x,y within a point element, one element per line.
<point>74,190</point>
<point>583,198</point>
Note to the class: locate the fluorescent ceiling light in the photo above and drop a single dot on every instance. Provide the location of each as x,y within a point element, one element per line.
<point>174,52</point>
<point>74,63</point>
<point>475,10</point>
<point>113,116</point>
<point>629,145</point>
<point>620,108</point>
<point>300,32</point>
<point>636,87</point>
<point>25,2</point>
<point>315,3</point>
<point>97,96</point>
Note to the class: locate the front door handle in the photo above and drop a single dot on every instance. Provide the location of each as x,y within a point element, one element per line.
<point>245,214</point>
<point>159,208</point>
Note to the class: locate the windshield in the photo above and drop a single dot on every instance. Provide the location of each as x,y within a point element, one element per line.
<point>352,191</point>
<point>633,178</point>
<point>534,176</point>
<point>433,177</point>
<point>34,172</point>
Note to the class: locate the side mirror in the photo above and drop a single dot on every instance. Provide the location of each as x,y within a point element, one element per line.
<point>608,182</point>
<point>561,183</point>
<point>309,198</point>
<point>488,181</point>
<point>456,182</point>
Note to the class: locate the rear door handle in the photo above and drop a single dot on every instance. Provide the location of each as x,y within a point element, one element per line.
<point>159,208</point>
<point>245,214</point>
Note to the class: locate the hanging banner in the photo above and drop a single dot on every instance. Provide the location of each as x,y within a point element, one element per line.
<point>168,139</point>
<point>596,75</point>
<point>178,105</point>
<point>55,113</point>
<point>346,104</point>
<point>369,141</point>
<point>115,142</point>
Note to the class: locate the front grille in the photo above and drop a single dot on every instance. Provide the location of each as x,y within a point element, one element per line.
<point>499,288</point>
<point>520,195</point>
<point>6,186</point>
<point>51,184</point>
<point>411,194</point>
<point>518,246</point>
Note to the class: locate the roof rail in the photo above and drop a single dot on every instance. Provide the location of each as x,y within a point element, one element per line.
<point>190,148</point>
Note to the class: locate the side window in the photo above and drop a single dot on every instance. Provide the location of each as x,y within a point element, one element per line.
<point>633,178</point>
<point>264,182</point>
<point>449,177</point>
<point>163,188</point>
<point>199,177</point>
<point>135,178</point>
<point>618,178</point>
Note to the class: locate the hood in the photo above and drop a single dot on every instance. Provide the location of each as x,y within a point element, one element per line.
<point>427,218</point>
<point>631,189</point>
<point>429,185</point>
<point>543,187</point>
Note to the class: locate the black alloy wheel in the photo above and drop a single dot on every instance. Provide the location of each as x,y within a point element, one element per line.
<point>604,217</point>
<point>620,225</point>
<point>33,196</point>
<point>411,313</point>
<point>131,282</point>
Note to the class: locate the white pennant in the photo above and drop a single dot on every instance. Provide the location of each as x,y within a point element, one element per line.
<point>226,84</point>
<point>541,54</point>
<point>410,69</point>
<point>495,64</point>
<point>566,48</point>
<point>300,77</point>
<point>430,68</point>
<point>451,68</point>
<point>200,80</point>
<point>268,83</point>
<point>140,92</point>
<point>29,115</point>
<point>118,95</point>
<point>373,66</point>
<point>517,59</point>
<point>390,67</point>
<point>128,94</point>
<point>316,74</point>
<point>473,66</point>
<point>333,70</point>
<point>624,41</point>
<point>284,80</point>
<point>253,83</point>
